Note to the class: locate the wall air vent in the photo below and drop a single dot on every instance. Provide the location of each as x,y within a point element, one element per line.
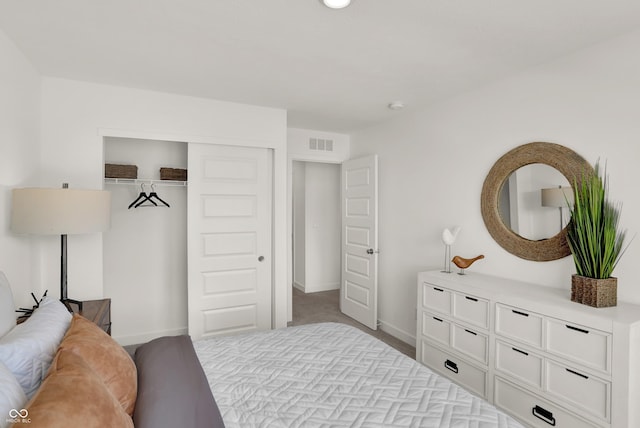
<point>320,144</point>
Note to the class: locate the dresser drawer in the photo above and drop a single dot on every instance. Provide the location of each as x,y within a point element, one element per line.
<point>436,298</point>
<point>533,410</point>
<point>471,343</point>
<point>471,309</point>
<point>519,363</point>
<point>436,328</point>
<point>579,389</point>
<point>518,324</point>
<point>577,343</point>
<point>456,369</point>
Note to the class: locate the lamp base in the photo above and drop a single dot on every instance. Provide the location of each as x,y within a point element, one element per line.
<point>63,272</point>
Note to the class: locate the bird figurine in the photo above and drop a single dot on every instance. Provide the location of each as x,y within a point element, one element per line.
<point>449,236</point>
<point>463,263</point>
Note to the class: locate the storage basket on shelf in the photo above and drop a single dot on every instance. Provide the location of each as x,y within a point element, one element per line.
<point>112,170</point>
<point>175,174</point>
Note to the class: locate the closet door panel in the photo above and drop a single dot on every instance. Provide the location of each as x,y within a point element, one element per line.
<point>229,240</point>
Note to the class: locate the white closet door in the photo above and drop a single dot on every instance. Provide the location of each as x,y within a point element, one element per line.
<point>229,240</point>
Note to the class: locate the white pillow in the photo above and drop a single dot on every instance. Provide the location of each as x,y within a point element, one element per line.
<point>29,348</point>
<point>11,395</point>
<point>7,310</point>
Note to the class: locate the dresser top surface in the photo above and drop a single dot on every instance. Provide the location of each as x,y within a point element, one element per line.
<point>535,297</point>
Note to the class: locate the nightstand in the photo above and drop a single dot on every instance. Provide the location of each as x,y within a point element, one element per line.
<point>97,311</point>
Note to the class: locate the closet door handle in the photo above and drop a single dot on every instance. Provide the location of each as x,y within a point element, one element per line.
<point>261,258</point>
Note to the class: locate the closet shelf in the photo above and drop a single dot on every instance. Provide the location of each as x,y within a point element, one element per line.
<point>139,181</point>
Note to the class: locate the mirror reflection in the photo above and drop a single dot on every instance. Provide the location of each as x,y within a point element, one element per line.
<point>532,202</point>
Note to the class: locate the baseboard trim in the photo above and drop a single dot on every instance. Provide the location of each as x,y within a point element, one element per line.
<point>137,339</point>
<point>320,287</point>
<point>397,333</point>
<point>298,286</point>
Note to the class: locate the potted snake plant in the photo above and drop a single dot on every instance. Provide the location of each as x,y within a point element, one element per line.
<point>595,240</point>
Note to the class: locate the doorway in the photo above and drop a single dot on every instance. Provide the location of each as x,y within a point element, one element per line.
<point>316,231</point>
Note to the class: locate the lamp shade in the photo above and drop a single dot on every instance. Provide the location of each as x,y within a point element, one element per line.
<point>44,211</point>
<point>557,197</point>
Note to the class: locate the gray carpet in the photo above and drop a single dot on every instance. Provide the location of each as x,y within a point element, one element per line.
<point>324,306</point>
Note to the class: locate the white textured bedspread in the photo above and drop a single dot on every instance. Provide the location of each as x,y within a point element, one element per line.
<point>332,375</point>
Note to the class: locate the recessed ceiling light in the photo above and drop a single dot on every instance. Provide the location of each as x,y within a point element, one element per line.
<point>396,105</point>
<point>336,4</point>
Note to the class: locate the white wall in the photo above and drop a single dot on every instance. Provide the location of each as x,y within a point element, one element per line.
<point>316,223</point>
<point>431,176</point>
<point>77,115</point>
<point>145,251</point>
<point>19,145</point>
<point>323,223</point>
<point>298,145</point>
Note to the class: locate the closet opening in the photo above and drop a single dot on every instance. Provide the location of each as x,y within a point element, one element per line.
<point>145,250</point>
<point>316,231</point>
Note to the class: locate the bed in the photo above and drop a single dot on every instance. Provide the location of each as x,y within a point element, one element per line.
<point>318,375</point>
<point>328,374</point>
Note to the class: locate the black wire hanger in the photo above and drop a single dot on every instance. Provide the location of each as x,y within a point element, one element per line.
<point>153,195</point>
<point>142,197</point>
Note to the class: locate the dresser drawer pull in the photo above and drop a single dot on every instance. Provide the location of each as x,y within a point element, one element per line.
<point>544,415</point>
<point>524,314</point>
<point>451,366</point>
<point>570,327</point>
<point>473,299</point>
<point>437,319</point>
<point>578,374</point>
<point>438,289</point>
<point>471,332</point>
<point>522,352</point>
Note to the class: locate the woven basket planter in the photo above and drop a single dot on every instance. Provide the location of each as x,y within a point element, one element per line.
<point>112,170</point>
<point>176,174</point>
<point>599,293</point>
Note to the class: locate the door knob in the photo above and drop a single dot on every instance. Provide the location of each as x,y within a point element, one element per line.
<point>261,258</point>
<point>371,251</point>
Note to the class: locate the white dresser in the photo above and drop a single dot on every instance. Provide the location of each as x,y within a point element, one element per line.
<point>531,351</point>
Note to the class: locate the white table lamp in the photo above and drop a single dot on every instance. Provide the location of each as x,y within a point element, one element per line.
<point>46,211</point>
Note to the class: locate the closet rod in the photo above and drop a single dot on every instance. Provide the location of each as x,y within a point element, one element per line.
<point>138,181</point>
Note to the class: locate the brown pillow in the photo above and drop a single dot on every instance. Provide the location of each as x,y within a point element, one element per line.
<point>72,395</point>
<point>111,363</point>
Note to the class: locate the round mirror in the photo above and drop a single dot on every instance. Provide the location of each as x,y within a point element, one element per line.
<point>524,199</point>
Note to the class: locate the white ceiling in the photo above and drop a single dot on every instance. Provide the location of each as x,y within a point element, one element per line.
<point>333,70</point>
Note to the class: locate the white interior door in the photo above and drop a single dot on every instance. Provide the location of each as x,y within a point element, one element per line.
<point>359,279</point>
<point>229,240</point>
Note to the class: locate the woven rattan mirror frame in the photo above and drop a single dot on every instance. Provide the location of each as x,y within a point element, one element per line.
<point>569,163</point>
